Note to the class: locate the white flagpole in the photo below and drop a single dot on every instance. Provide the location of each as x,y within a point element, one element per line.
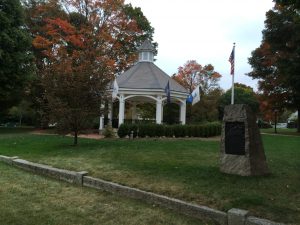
<point>232,87</point>
<point>232,90</point>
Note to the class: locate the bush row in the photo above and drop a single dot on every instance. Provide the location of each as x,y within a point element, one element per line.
<point>159,130</point>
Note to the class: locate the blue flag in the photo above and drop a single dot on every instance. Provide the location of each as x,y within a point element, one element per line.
<point>194,97</point>
<point>167,91</point>
<point>189,99</point>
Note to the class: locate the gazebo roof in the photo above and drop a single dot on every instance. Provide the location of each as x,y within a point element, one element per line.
<point>146,46</point>
<point>147,76</point>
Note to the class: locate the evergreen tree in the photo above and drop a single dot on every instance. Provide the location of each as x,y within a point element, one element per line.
<point>15,56</point>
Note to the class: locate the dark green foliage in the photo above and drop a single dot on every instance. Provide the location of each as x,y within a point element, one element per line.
<point>207,109</point>
<point>178,130</point>
<point>169,131</point>
<point>15,56</point>
<point>171,115</point>
<point>133,130</point>
<point>263,124</point>
<point>242,95</point>
<point>276,61</point>
<point>142,130</point>
<point>159,130</point>
<point>123,130</point>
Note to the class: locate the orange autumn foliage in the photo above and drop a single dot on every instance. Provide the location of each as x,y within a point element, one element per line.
<point>192,74</point>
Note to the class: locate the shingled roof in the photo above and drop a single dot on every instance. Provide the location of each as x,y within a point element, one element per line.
<point>146,75</point>
<point>146,46</point>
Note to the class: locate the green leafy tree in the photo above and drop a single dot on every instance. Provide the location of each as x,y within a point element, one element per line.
<point>242,95</point>
<point>207,108</point>
<point>15,55</point>
<point>23,113</point>
<point>192,74</point>
<point>276,62</point>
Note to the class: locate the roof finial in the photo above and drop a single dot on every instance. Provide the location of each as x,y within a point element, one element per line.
<point>146,52</point>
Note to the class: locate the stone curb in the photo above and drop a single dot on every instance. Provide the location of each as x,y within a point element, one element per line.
<point>171,203</point>
<point>60,174</point>
<point>8,160</point>
<point>232,217</point>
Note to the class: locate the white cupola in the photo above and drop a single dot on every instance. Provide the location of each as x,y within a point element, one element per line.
<point>146,52</point>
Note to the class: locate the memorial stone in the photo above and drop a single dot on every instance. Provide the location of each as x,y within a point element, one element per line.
<point>242,151</point>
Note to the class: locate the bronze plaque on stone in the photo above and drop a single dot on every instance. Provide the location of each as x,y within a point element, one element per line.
<point>235,138</point>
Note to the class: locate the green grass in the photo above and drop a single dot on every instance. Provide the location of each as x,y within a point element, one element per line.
<point>184,169</point>
<point>30,199</point>
<point>284,131</point>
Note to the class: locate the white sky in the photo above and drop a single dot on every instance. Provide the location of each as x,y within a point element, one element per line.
<point>204,30</point>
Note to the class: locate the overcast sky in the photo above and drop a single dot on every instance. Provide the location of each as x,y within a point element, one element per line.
<point>204,30</point>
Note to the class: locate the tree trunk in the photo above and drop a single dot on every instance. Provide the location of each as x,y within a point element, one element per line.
<point>75,137</point>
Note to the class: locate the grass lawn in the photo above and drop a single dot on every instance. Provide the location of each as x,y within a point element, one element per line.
<point>30,199</point>
<point>184,169</point>
<point>285,131</point>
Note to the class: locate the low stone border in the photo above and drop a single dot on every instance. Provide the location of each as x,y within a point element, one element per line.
<point>170,203</point>
<point>60,174</point>
<point>232,217</point>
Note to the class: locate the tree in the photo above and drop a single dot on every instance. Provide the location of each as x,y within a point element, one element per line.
<point>120,27</point>
<point>22,113</point>
<point>15,55</point>
<point>243,94</point>
<point>207,109</point>
<point>81,52</point>
<point>192,74</point>
<point>276,61</point>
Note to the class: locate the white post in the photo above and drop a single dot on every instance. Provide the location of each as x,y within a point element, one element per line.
<point>101,118</point>
<point>158,110</point>
<point>110,113</point>
<point>101,123</point>
<point>232,90</point>
<point>121,109</point>
<point>162,112</point>
<point>182,113</point>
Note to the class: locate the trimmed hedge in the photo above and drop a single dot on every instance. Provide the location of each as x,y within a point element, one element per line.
<point>159,130</point>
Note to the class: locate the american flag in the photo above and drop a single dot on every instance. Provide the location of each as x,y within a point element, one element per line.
<point>231,60</point>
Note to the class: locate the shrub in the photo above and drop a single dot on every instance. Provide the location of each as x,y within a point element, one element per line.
<point>123,130</point>
<point>179,130</point>
<point>142,130</point>
<point>158,130</point>
<point>263,124</point>
<point>108,132</point>
<point>169,131</point>
<point>151,131</point>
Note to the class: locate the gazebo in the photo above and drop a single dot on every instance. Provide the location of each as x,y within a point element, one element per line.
<point>145,83</point>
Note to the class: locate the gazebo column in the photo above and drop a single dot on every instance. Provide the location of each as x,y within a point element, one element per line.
<point>101,118</point>
<point>162,112</point>
<point>182,112</point>
<point>110,113</point>
<point>158,110</point>
<point>121,109</point>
